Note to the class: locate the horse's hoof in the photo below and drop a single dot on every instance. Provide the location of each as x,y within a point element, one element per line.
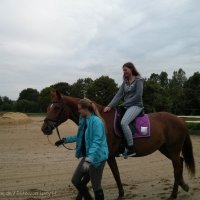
<point>121,195</point>
<point>173,196</point>
<point>185,187</point>
<point>79,197</point>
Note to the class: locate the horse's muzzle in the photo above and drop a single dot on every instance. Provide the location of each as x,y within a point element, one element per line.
<point>47,128</point>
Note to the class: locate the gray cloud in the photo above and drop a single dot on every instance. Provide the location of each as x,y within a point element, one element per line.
<point>47,41</point>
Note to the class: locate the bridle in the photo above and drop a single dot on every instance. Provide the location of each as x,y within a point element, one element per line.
<point>58,121</point>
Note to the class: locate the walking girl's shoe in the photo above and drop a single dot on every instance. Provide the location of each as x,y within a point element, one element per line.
<point>99,195</point>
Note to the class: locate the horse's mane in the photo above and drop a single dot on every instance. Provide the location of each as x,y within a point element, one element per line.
<point>73,101</point>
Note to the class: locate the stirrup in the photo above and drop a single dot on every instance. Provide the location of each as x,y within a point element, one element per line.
<point>125,155</point>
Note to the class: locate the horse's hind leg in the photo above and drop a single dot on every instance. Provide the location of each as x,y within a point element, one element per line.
<point>177,174</point>
<point>182,183</point>
<point>177,162</point>
<point>174,194</point>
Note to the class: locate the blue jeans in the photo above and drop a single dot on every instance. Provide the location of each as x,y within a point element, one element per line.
<point>130,114</point>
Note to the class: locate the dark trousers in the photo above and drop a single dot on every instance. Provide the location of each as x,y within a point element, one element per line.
<point>95,174</point>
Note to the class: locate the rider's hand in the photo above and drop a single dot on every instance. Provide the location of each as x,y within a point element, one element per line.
<point>107,109</point>
<point>59,142</point>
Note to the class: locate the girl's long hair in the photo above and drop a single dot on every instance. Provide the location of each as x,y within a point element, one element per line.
<point>132,67</point>
<point>88,104</point>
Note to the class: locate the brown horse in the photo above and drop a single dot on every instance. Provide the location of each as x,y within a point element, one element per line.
<point>169,135</point>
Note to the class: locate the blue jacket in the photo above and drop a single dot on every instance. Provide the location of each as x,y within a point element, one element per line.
<point>95,140</point>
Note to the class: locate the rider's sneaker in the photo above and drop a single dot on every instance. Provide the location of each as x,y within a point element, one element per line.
<point>129,152</point>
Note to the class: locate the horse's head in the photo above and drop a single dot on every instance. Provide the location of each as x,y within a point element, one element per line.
<point>57,113</point>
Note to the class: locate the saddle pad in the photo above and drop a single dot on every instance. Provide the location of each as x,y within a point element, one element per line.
<point>140,126</point>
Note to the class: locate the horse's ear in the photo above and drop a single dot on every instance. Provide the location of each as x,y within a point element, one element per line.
<point>52,93</point>
<point>58,94</point>
<point>55,94</point>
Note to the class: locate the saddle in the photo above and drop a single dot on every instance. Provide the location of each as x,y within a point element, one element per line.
<point>140,127</point>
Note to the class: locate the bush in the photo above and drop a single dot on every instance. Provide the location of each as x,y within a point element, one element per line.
<point>26,106</point>
<point>6,107</point>
<point>193,126</point>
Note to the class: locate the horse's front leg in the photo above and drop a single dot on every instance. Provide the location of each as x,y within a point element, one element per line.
<point>115,171</point>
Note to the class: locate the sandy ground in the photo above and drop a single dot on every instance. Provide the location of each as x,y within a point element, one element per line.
<point>31,168</point>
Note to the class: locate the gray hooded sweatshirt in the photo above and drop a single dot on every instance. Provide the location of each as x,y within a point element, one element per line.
<point>130,93</point>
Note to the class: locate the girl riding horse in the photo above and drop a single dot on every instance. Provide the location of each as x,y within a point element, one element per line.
<point>131,92</point>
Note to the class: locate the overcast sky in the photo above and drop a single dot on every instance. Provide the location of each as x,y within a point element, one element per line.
<point>47,41</point>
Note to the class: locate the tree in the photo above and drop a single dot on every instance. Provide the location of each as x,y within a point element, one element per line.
<point>6,104</point>
<point>192,94</point>
<point>5,99</point>
<point>26,106</point>
<point>44,98</point>
<point>29,94</point>
<point>178,94</point>
<point>176,91</point>
<point>1,101</point>
<point>28,101</point>
<point>178,78</point>
<point>79,88</point>
<point>164,81</point>
<point>102,90</point>
<point>62,87</point>
<point>155,78</point>
<point>155,97</point>
<point>161,79</point>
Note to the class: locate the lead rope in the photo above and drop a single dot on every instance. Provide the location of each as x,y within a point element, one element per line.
<point>58,133</point>
<point>49,140</point>
<point>60,139</point>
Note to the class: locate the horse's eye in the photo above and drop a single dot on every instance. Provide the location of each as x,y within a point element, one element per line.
<point>57,107</point>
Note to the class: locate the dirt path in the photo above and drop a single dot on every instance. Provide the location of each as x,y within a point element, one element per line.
<point>31,168</point>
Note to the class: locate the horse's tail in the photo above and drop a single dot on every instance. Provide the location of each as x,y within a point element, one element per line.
<point>187,152</point>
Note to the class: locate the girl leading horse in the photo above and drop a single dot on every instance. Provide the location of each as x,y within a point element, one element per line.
<point>169,135</point>
<point>91,147</point>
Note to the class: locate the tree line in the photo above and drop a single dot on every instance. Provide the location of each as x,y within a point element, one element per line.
<point>178,94</point>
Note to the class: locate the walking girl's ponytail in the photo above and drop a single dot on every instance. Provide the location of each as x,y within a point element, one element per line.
<point>88,104</point>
